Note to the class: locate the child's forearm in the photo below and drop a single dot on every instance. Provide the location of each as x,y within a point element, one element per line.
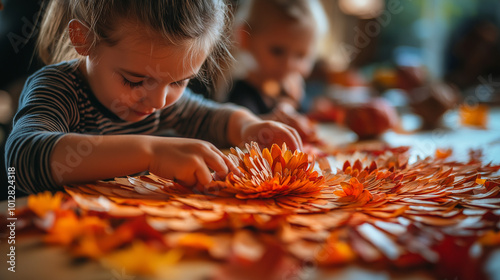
<point>83,158</point>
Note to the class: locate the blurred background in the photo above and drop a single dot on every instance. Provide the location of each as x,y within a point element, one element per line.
<point>425,32</point>
<point>422,56</point>
<point>431,40</point>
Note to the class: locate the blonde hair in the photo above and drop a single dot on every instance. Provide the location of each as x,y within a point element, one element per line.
<point>255,14</point>
<point>201,25</point>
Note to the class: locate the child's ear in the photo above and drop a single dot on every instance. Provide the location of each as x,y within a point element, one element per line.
<point>79,36</point>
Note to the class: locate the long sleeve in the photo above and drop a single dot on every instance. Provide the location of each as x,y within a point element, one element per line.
<point>47,107</point>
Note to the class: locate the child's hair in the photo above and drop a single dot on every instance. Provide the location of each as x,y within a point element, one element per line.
<point>198,25</point>
<point>256,13</point>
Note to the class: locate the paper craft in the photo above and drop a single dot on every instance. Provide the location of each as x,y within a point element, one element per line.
<point>376,207</point>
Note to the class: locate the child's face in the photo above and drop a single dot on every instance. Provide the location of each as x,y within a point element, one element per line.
<point>136,77</point>
<point>282,49</point>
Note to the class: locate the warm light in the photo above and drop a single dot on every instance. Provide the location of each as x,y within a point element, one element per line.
<point>362,8</point>
<point>271,88</point>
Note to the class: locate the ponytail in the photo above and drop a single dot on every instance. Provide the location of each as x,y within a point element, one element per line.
<point>53,43</point>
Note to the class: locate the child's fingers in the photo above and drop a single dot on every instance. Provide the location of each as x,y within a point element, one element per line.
<point>187,180</point>
<point>221,163</point>
<point>215,161</point>
<point>295,120</point>
<point>229,163</point>
<point>198,172</point>
<point>301,129</point>
<point>203,175</point>
<point>295,137</point>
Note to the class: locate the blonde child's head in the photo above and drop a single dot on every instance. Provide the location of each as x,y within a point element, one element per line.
<point>280,35</point>
<point>137,55</point>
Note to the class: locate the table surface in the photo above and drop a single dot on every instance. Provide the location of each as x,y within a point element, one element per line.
<point>424,143</point>
<point>34,260</point>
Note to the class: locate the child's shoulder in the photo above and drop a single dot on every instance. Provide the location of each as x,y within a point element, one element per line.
<point>65,69</point>
<point>56,78</point>
<point>57,83</point>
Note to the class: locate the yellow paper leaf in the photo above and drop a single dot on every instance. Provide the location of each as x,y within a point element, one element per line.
<point>480,181</point>
<point>42,203</point>
<point>141,259</point>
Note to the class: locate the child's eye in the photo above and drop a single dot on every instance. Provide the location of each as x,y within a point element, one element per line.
<point>277,51</point>
<point>132,84</point>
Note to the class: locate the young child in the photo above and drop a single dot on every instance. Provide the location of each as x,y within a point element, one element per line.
<point>120,78</point>
<point>279,40</point>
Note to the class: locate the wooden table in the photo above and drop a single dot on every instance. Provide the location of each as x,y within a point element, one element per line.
<point>34,260</point>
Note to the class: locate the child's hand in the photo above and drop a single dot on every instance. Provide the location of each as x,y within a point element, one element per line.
<point>267,133</point>
<point>286,114</point>
<point>188,161</point>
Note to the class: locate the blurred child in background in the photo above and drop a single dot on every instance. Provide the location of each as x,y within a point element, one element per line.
<point>277,42</point>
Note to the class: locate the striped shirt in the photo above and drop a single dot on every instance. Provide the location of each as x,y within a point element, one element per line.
<point>57,100</point>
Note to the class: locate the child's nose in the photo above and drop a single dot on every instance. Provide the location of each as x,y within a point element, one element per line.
<point>292,64</point>
<point>298,65</point>
<point>157,98</point>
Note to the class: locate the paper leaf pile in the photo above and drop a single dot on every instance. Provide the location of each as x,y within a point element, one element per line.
<point>375,208</point>
<point>269,174</point>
